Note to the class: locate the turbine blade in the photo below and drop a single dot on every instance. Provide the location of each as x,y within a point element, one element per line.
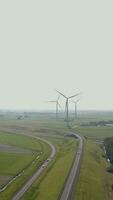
<point>77,100</point>
<point>58,98</point>
<point>51,101</point>
<point>71,101</point>
<point>59,105</point>
<point>61,94</point>
<point>74,95</point>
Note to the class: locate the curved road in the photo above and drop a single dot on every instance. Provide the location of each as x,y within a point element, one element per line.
<point>68,190</point>
<point>73,176</point>
<point>27,185</point>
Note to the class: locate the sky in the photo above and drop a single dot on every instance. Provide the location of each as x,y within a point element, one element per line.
<point>65,45</point>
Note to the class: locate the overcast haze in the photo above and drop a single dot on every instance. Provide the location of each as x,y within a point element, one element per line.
<point>48,45</point>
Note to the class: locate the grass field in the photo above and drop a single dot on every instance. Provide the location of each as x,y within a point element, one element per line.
<point>12,163</point>
<point>49,186</point>
<point>20,141</point>
<point>94,182</point>
<point>96,132</point>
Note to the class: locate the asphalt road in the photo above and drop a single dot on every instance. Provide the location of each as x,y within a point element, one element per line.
<point>67,192</point>
<point>73,176</point>
<point>28,184</point>
<point>44,165</point>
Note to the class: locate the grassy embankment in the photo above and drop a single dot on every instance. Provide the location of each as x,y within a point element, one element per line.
<point>12,163</point>
<point>95,183</point>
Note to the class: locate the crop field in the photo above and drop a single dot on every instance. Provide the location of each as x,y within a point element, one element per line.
<point>32,122</point>
<point>19,150</point>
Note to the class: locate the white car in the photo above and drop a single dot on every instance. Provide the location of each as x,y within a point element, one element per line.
<point>43,165</point>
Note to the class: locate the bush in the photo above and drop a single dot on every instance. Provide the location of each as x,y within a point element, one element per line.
<point>110,169</point>
<point>109,148</point>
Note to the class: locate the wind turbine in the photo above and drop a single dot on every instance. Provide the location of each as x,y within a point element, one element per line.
<point>75,102</point>
<point>57,105</point>
<point>67,104</point>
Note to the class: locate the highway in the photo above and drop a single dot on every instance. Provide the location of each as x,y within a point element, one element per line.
<point>69,187</point>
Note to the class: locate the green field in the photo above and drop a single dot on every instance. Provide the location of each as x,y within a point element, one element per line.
<point>20,141</point>
<point>94,182</point>
<point>50,185</point>
<point>12,163</point>
<point>96,132</point>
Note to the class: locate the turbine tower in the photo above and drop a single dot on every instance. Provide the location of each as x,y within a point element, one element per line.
<point>57,105</point>
<point>75,102</point>
<point>67,104</point>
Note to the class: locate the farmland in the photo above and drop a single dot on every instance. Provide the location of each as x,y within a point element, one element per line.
<point>19,150</point>
<point>96,132</point>
<point>14,163</point>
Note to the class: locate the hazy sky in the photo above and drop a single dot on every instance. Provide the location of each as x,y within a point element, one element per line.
<point>47,45</point>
